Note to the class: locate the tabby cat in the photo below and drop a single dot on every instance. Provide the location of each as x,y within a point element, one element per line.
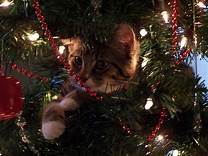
<point>105,68</point>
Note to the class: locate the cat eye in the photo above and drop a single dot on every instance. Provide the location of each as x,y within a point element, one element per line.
<point>101,65</point>
<point>78,60</point>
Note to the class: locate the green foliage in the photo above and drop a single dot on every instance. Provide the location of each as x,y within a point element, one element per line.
<point>95,128</point>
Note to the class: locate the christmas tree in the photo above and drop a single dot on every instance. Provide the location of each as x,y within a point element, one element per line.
<point>162,113</point>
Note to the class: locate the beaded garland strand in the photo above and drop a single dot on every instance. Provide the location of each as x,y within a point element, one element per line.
<point>163,115</point>
<point>27,73</point>
<point>174,26</point>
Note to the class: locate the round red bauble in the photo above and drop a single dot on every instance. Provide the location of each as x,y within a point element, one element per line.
<point>11,98</point>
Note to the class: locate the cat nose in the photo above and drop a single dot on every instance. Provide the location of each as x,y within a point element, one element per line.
<point>84,78</point>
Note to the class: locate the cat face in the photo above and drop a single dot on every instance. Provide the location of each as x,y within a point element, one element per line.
<point>106,67</point>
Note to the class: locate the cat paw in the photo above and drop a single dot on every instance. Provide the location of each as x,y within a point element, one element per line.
<point>52,129</point>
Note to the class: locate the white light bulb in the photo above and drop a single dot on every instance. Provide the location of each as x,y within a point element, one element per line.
<point>33,36</point>
<point>165,16</point>
<point>48,95</point>
<point>55,37</point>
<point>6,3</point>
<point>183,42</point>
<point>159,138</point>
<point>148,104</point>
<point>201,5</point>
<point>144,62</point>
<point>175,153</point>
<point>143,32</point>
<point>55,97</point>
<point>61,49</point>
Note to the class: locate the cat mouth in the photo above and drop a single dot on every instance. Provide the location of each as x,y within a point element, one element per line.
<point>105,87</point>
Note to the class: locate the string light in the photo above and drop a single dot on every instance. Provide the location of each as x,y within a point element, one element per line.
<point>173,153</point>
<point>159,138</point>
<point>148,104</point>
<point>48,95</point>
<point>33,36</point>
<point>144,62</point>
<point>61,49</point>
<point>201,5</point>
<point>6,3</point>
<point>143,32</point>
<point>165,16</point>
<point>184,41</point>
<point>55,97</point>
<point>56,37</point>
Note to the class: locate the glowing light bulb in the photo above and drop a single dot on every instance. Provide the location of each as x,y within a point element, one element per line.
<point>143,32</point>
<point>148,104</point>
<point>33,36</point>
<point>61,49</point>
<point>165,16</point>
<point>175,153</point>
<point>183,42</point>
<point>201,5</point>
<point>159,138</point>
<point>55,37</point>
<point>55,97</point>
<point>6,3</point>
<point>48,95</point>
<point>144,62</point>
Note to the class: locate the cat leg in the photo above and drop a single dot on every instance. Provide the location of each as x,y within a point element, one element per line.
<point>53,120</point>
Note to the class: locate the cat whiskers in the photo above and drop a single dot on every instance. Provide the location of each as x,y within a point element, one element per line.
<point>127,82</point>
<point>117,85</point>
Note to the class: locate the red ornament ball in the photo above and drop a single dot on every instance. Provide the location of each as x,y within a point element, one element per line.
<point>11,98</point>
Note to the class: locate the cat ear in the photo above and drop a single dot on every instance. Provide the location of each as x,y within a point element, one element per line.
<point>71,43</point>
<point>125,35</point>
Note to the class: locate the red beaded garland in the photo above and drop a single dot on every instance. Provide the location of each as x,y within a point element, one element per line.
<point>183,56</point>
<point>54,46</point>
<point>158,126</point>
<point>128,131</point>
<point>174,26</point>
<point>28,73</point>
<point>125,128</point>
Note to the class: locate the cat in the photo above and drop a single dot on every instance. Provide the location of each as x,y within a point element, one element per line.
<point>105,68</point>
